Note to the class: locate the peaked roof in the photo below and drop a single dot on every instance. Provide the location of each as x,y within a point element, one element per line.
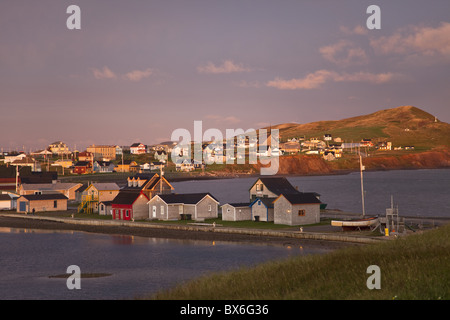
<point>238,204</point>
<point>301,198</point>
<point>105,186</point>
<point>127,197</point>
<point>278,185</point>
<point>50,186</point>
<point>186,198</point>
<point>268,202</point>
<point>146,177</point>
<point>56,196</point>
<point>5,197</point>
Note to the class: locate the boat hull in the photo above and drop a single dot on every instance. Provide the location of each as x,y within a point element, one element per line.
<point>357,223</point>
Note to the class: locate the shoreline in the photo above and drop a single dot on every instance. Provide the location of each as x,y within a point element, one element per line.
<point>183,232</point>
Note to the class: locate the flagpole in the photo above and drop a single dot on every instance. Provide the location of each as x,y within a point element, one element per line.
<point>361,168</point>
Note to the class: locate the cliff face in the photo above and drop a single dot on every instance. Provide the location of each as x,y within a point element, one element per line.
<point>306,165</point>
<point>429,159</point>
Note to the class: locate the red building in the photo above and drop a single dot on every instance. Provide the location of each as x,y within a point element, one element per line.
<point>130,205</point>
<point>82,167</point>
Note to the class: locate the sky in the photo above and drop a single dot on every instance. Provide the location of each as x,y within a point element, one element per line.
<point>138,70</point>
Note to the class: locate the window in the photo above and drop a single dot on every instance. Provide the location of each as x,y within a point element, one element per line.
<point>55,204</point>
<point>259,187</point>
<point>127,213</point>
<point>209,208</point>
<point>162,210</point>
<point>38,192</point>
<point>301,212</point>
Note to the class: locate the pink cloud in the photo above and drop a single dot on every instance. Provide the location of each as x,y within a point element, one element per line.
<point>344,53</point>
<point>227,66</point>
<point>318,78</point>
<point>105,73</point>
<point>425,41</point>
<point>138,75</point>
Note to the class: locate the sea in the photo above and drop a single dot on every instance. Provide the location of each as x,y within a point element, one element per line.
<point>416,193</point>
<point>137,266</point>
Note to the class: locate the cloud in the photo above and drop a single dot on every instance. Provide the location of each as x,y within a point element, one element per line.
<point>227,66</point>
<point>316,79</point>
<point>425,41</point>
<point>138,75</point>
<point>358,30</point>
<point>311,81</point>
<point>344,53</point>
<point>135,75</point>
<point>105,73</point>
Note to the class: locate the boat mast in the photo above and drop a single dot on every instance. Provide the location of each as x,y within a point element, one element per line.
<point>361,169</point>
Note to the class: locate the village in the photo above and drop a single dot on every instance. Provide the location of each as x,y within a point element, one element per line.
<point>142,192</point>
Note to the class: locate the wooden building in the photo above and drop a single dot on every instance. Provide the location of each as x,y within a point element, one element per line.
<point>130,205</point>
<point>236,212</point>
<point>41,203</point>
<point>195,206</point>
<point>297,209</point>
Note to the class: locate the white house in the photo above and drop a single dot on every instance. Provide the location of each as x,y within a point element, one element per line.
<point>196,206</point>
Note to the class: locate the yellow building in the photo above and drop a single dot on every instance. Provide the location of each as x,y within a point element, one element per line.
<point>102,152</point>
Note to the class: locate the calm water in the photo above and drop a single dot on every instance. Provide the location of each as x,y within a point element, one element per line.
<point>416,192</point>
<point>138,265</point>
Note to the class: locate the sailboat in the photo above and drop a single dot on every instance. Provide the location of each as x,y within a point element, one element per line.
<point>369,222</point>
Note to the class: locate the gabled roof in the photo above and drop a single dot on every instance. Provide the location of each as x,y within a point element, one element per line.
<point>5,197</point>
<point>105,186</point>
<point>149,183</point>
<point>268,202</point>
<point>137,144</point>
<point>56,196</point>
<point>277,185</point>
<point>127,197</point>
<point>238,205</point>
<point>82,164</point>
<point>186,198</point>
<point>300,198</point>
<point>50,186</point>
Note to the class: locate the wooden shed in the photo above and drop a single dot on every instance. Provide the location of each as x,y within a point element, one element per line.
<point>236,212</point>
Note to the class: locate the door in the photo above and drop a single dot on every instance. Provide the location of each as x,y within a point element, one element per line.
<point>23,206</point>
<point>154,211</point>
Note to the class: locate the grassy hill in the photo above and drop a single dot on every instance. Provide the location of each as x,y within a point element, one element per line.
<point>412,267</point>
<point>405,125</point>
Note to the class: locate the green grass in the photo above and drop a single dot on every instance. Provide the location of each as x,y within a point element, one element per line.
<point>413,267</point>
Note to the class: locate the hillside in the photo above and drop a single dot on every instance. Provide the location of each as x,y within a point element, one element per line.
<point>402,126</point>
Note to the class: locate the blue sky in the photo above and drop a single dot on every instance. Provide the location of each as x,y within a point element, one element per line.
<point>138,70</point>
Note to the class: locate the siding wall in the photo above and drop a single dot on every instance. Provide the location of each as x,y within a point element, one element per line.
<point>286,213</point>
<point>261,211</point>
<point>260,194</point>
<point>42,205</point>
<point>230,213</point>
<point>203,211</point>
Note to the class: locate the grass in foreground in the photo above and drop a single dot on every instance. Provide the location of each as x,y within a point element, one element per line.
<point>413,267</point>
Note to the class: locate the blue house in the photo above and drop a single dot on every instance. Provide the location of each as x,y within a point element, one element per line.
<point>262,209</point>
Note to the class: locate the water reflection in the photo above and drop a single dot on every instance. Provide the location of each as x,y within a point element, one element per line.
<point>37,231</point>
